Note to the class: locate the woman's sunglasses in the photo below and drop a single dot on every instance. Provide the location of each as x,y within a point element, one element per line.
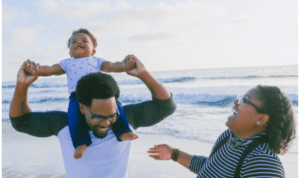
<point>241,99</point>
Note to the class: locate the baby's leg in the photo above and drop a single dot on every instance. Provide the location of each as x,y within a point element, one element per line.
<point>121,127</point>
<point>79,151</point>
<point>80,136</point>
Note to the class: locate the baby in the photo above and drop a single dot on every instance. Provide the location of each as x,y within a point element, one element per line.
<point>82,46</point>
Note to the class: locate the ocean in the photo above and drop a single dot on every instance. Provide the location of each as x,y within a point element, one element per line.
<point>204,97</point>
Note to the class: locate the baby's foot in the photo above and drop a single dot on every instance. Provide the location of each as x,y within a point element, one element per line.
<point>128,136</point>
<point>79,151</point>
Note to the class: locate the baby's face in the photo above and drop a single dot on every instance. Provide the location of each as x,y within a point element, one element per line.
<point>81,46</point>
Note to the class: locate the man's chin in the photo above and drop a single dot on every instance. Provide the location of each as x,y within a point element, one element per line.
<point>99,134</point>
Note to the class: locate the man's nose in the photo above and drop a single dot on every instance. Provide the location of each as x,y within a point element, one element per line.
<point>105,123</point>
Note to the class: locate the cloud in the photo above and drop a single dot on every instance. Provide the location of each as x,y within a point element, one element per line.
<point>121,11</point>
<point>137,23</point>
<point>77,10</point>
<point>8,13</point>
<point>151,37</point>
<point>22,37</point>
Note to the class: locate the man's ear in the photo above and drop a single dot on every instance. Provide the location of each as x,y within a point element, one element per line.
<point>263,120</point>
<point>81,106</point>
<point>93,52</point>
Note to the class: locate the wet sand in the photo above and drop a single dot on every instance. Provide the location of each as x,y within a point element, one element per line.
<point>31,157</point>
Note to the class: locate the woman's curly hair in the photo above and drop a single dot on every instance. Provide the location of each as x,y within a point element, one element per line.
<point>281,125</point>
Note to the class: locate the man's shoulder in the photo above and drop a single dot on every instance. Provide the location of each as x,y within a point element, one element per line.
<point>57,120</point>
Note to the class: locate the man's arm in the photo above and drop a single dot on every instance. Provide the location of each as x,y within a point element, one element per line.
<point>37,124</point>
<point>19,104</point>
<point>157,89</point>
<point>150,112</point>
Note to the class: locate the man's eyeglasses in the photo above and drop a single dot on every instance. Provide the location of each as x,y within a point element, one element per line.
<point>240,99</point>
<point>102,118</point>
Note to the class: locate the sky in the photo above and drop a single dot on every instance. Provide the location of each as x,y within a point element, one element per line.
<point>163,34</point>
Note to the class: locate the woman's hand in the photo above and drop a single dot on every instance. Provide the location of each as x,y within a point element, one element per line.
<point>161,152</point>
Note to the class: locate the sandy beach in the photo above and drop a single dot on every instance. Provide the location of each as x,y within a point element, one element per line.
<point>31,157</point>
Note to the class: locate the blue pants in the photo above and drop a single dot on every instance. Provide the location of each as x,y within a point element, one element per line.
<point>80,134</point>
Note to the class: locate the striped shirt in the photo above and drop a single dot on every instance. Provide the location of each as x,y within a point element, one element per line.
<point>261,162</point>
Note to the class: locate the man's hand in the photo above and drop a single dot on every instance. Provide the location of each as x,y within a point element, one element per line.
<point>133,66</point>
<point>161,152</point>
<point>27,78</point>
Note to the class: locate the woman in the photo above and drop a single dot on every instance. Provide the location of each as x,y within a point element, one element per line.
<point>261,126</point>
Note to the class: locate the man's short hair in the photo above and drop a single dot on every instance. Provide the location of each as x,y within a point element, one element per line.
<point>96,86</point>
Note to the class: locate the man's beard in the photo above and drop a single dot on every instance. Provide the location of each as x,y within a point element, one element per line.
<point>100,135</point>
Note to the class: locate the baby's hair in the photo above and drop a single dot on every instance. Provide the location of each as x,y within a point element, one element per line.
<point>85,31</point>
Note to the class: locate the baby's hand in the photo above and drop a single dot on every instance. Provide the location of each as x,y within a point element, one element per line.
<point>29,70</point>
<point>129,63</point>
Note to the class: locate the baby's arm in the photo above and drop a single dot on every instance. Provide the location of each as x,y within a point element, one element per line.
<point>56,69</point>
<point>107,66</point>
<point>51,70</point>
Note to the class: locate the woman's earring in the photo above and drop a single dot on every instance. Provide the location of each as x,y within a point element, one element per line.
<point>258,122</point>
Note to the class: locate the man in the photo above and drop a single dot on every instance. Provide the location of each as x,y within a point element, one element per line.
<point>105,157</point>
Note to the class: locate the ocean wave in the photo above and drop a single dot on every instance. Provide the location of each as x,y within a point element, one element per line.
<point>9,86</point>
<point>161,80</point>
<point>201,99</point>
<point>48,85</point>
<point>176,79</point>
<point>121,82</point>
<point>41,99</point>
<point>41,85</point>
<point>218,100</point>
<point>248,77</point>
<point>204,99</point>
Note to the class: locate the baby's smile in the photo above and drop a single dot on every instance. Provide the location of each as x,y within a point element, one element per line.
<point>79,47</point>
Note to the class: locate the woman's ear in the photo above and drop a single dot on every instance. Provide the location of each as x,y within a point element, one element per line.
<point>263,120</point>
<point>81,106</point>
<point>70,54</point>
